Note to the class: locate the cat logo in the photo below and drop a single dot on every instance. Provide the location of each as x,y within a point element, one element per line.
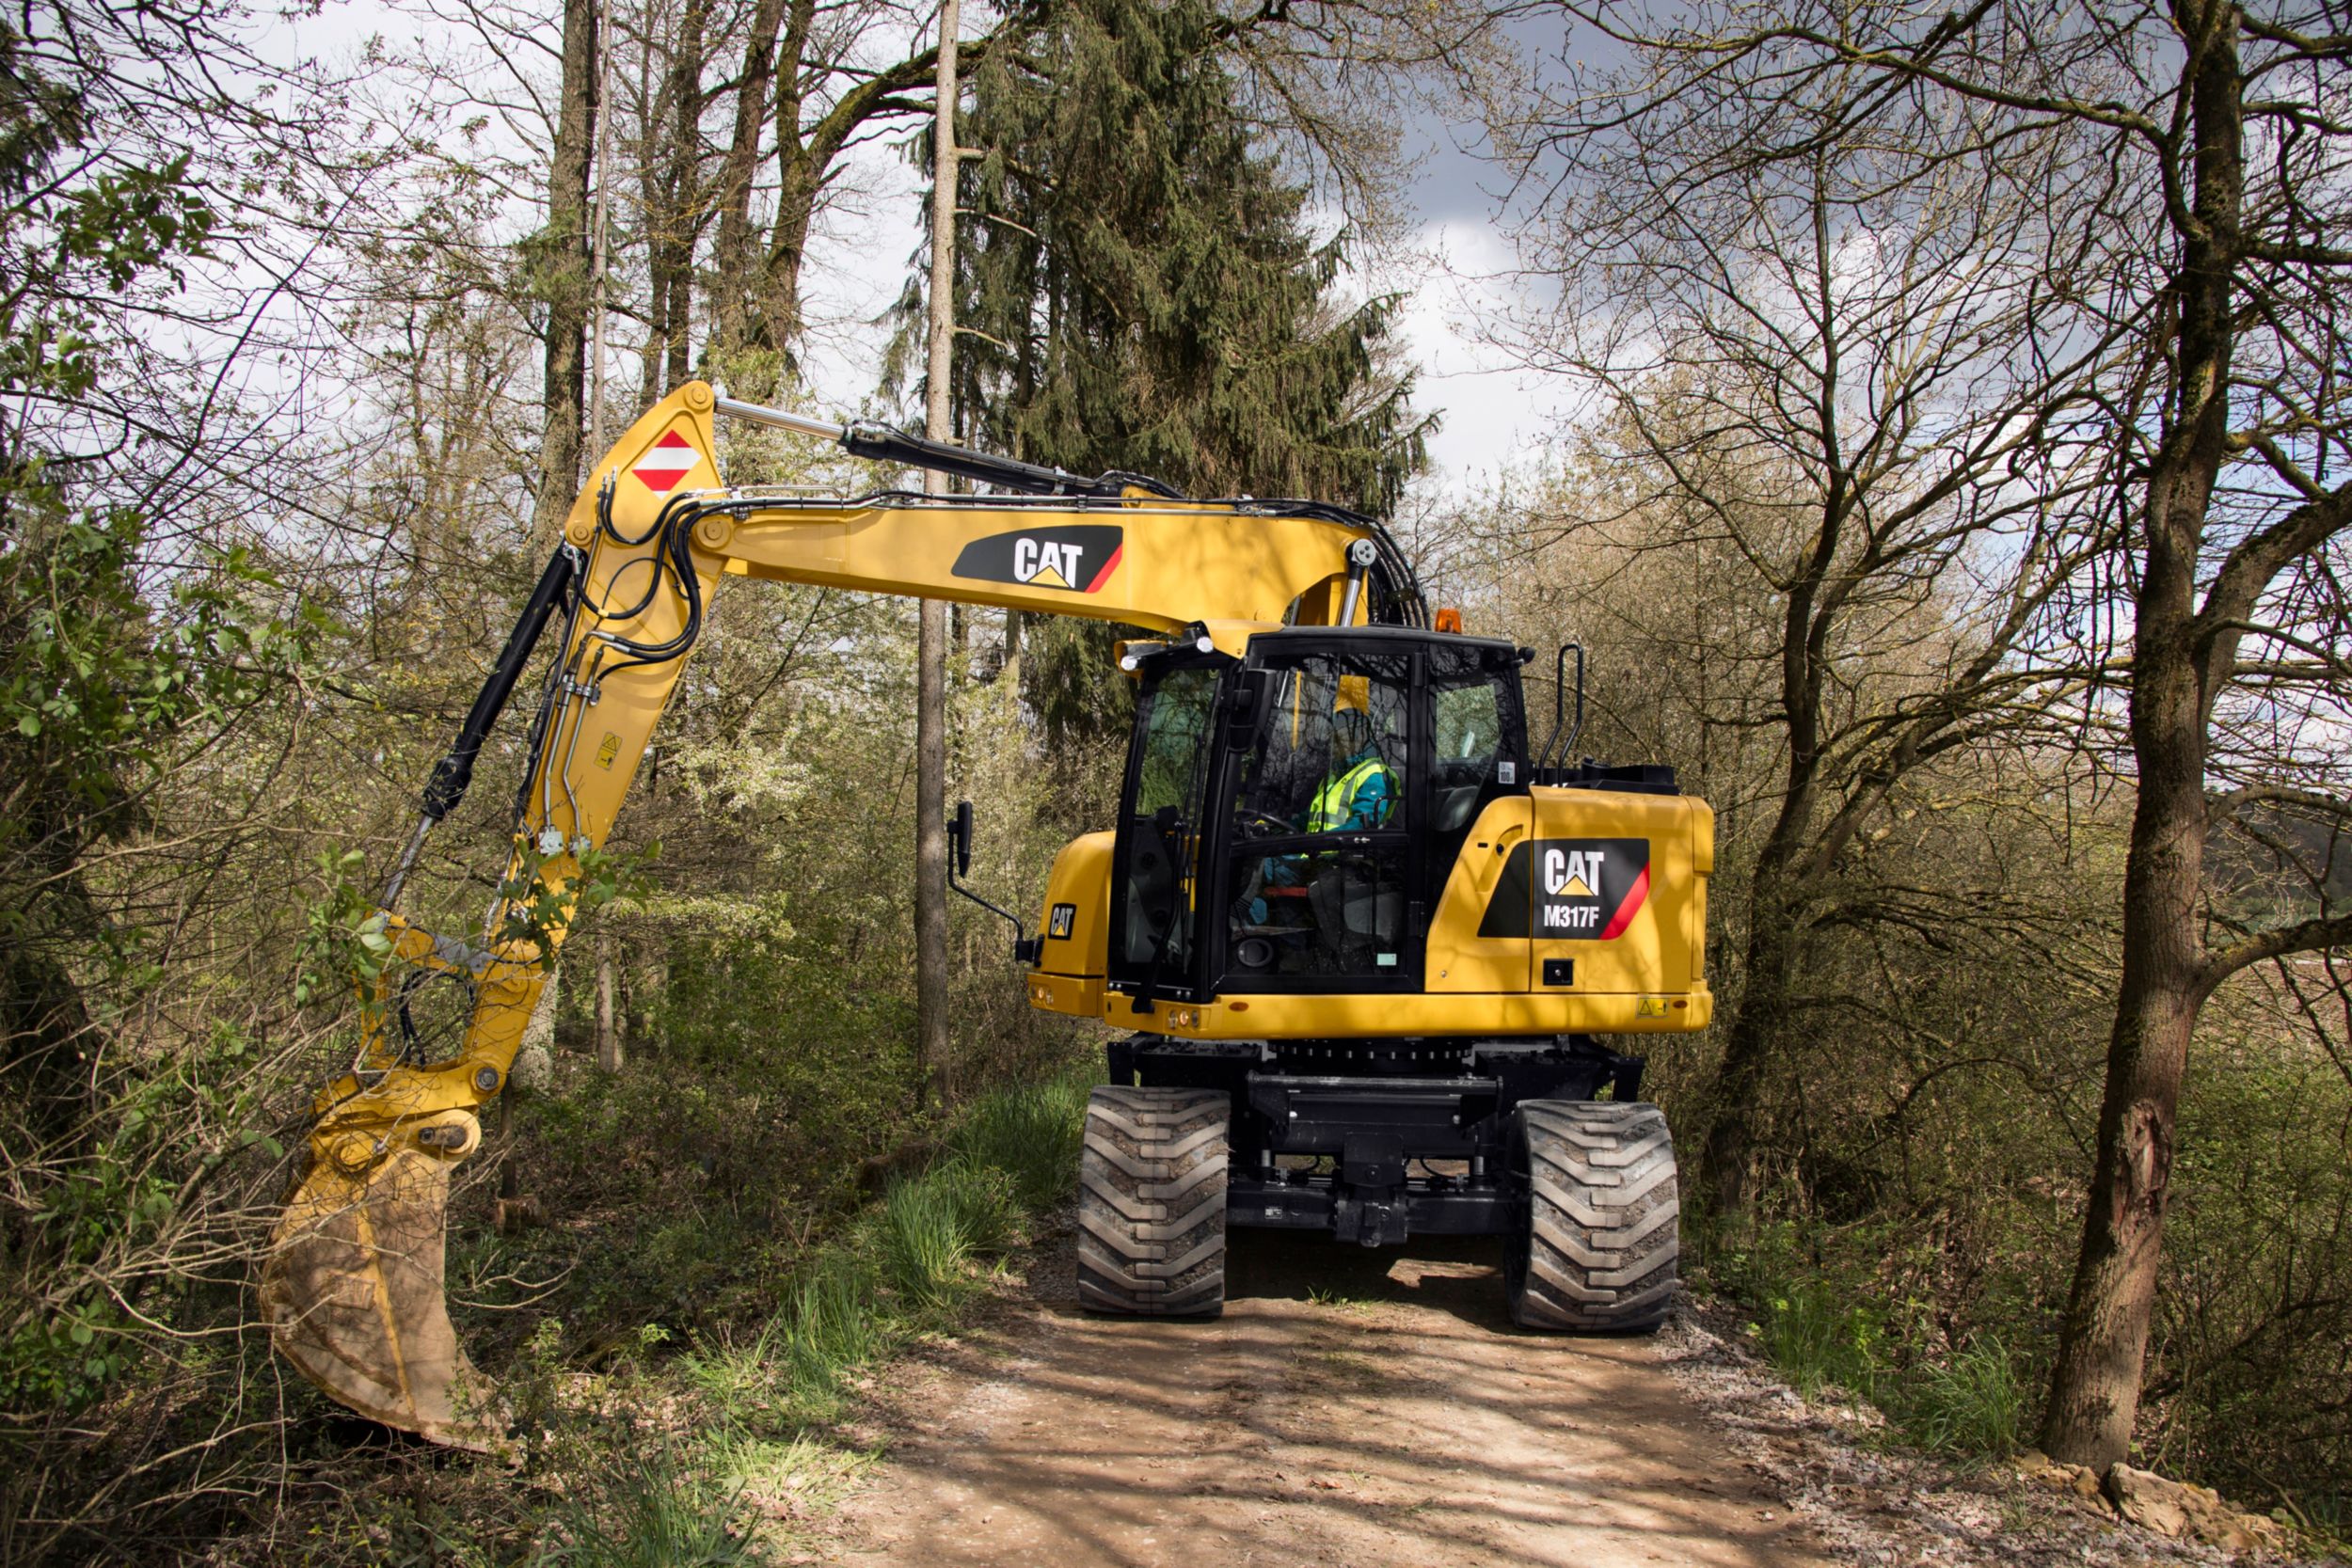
<point>1076,558</point>
<point>1047,564</point>
<point>1570,889</point>
<point>1565,872</point>
<point>1062,922</point>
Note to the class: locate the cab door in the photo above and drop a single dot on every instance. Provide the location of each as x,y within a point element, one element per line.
<point>1156,861</point>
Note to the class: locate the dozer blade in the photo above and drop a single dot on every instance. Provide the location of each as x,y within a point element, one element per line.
<point>352,1288</point>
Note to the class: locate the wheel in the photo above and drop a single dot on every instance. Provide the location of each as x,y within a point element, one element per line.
<point>1595,1253</point>
<point>1151,1202</point>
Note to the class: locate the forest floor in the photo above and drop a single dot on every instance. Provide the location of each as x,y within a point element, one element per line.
<point>1362,1408</point>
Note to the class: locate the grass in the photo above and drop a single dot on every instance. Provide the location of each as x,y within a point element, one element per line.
<point>1341,1298</point>
<point>910,1265</point>
<point>1821,1332</point>
<point>1032,1133</point>
<point>1976,1403</point>
<point>656,1517</point>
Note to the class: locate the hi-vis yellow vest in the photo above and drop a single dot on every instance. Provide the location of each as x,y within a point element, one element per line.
<point>1336,802</point>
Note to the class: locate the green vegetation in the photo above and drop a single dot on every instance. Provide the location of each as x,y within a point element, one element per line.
<point>663,1448</point>
<point>1831,1332</point>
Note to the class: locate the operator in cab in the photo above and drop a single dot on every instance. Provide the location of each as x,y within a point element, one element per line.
<point>1291,914</point>
<point>1360,789</point>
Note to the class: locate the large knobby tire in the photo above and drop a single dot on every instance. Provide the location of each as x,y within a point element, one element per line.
<point>1596,1252</point>
<point>1151,1202</point>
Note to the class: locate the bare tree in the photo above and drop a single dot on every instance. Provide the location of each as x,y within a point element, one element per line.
<point>2211,217</point>
<point>1830,369</point>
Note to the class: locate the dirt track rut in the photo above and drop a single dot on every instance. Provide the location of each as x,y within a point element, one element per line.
<point>1350,1408</point>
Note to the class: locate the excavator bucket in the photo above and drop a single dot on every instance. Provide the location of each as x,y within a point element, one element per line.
<point>353,1287</point>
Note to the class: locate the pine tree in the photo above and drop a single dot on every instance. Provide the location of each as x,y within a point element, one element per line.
<point>1138,290</point>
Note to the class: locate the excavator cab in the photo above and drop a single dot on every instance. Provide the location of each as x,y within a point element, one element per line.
<point>1290,816</point>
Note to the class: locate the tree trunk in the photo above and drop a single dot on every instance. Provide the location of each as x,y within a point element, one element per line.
<point>685,183</point>
<point>787,246</point>
<point>1732,1135</point>
<point>2094,1386</point>
<point>564,264</point>
<point>930,718</point>
<point>732,285</point>
<point>674,189</point>
<point>1772,905</point>
<point>609,1053</point>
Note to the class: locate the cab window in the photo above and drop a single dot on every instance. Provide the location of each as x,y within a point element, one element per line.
<point>1155,907</point>
<point>1477,741</point>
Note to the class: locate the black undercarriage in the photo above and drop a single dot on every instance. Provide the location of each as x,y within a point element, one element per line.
<point>1376,1140</point>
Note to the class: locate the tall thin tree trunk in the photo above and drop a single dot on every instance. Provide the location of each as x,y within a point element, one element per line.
<point>1767,977</point>
<point>930,717</point>
<point>731,284</point>
<point>674,187</point>
<point>2103,1344</point>
<point>1774,904</point>
<point>651,205</point>
<point>564,263</point>
<point>609,1051</point>
<point>602,240</point>
<point>685,186</point>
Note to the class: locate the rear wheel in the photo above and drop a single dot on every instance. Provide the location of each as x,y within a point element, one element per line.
<point>1596,1252</point>
<point>1151,1202</point>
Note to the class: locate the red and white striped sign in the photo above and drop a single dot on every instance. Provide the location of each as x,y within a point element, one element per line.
<point>666,462</point>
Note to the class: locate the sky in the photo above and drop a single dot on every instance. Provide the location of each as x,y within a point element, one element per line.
<point>1453,273</point>
<point>1449,266</point>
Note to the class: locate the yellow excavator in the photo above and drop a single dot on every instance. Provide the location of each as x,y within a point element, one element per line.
<point>1360,939</point>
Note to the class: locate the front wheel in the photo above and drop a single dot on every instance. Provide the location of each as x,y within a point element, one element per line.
<point>1151,1202</point>
<point>1596,1249</point>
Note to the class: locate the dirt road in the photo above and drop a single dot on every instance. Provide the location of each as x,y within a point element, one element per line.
<point>1351,1407</point>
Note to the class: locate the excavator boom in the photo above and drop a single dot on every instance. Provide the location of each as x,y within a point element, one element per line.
<point>353,1286</point>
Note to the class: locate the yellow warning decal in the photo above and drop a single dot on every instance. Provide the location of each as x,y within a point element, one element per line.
<point>607,749</point>
<point>1650,1007</point>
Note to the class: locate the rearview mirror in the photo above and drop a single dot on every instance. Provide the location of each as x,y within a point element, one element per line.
<point>959,838</point>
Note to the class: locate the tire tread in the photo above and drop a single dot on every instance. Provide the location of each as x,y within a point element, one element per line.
<point>1151,1202</point>
<point>1599,1251</point>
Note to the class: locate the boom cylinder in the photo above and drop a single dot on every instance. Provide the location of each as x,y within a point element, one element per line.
<point>453,774</point>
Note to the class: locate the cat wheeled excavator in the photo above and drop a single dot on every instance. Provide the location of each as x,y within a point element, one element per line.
<point>1362,943</point>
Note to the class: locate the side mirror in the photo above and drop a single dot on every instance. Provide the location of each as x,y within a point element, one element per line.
<point>1025,949</point>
